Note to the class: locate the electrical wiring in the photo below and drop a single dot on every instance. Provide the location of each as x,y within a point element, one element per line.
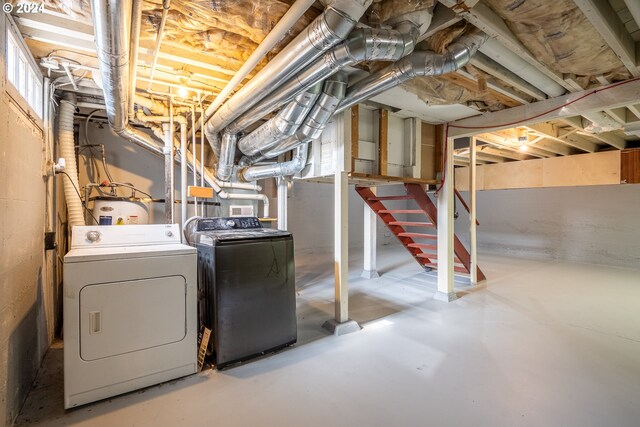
<point>515,123</point>
<point>84,204</point>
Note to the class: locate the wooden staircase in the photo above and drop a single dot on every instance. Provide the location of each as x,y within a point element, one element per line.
<point>422,245</point>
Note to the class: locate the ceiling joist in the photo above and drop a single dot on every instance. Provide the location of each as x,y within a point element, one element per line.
<point>612,30</point>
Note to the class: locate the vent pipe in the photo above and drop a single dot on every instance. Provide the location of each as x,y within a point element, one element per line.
<point>417,64</point>
<point>333,92</point>
<point>363,44</point>
<point>111,23</point>
<point>332,26</point>
<point>68,153</point>
<point>283,125</point>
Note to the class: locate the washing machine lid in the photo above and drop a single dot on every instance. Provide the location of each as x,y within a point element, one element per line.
<point>126,252</point>
<point>208,237</point>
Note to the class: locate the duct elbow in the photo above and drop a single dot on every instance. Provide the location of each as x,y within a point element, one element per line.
<point>227,155</point>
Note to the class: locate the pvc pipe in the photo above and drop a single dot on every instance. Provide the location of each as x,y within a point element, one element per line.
<point>503,56</point>
<point>183,173</point>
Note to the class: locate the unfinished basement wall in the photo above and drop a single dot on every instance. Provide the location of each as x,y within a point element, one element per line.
<point>311,216</point>
<point>594,224</point>
<point>25,293</point>
<point>127,163</point>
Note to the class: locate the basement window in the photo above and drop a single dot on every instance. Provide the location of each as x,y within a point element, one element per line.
<point>23,74</point>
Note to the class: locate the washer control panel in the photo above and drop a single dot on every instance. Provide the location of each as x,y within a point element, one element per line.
<point>228,223</point>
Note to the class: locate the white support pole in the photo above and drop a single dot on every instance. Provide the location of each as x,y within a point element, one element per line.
<point>341,245</point>
<point>342,149</point>
<point>370,270</point>
<point>472,211</point>
<point>446,229</point>
<point>282,203</point>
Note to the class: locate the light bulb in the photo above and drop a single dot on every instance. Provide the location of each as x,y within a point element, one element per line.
<point>524,147</point>
<point>183,92</point>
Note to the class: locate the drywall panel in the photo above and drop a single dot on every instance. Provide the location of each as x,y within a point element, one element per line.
<point>583,169</point>
<point>590,224</point>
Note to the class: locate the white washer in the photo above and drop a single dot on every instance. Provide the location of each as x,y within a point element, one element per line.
<point>130,310</point>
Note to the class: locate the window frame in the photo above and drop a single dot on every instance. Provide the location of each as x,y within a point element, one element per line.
<point>24,88</point>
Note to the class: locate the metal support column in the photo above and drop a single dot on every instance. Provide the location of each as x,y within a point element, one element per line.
<point>446,228</point>
<point>370,270</point>
<point>472,212</point>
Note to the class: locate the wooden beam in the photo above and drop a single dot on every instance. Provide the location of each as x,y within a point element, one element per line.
<point>553,147</point>
<point>497,87</point>
<point>570,105</point>
<point>507,154</point>
<point>489,66</point>
<point>472,85</point>
<point>383,142</point>
<point>566,137</point>
<point>488,21</point>
<point>608,24</point>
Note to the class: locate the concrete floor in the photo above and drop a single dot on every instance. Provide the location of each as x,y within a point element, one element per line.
<point>544,343</point>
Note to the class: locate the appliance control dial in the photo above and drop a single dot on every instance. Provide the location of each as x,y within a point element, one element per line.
<point>231,223</point>
<point>93,236</point>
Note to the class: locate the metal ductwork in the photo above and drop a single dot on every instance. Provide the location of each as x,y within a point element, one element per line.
<point>291,167</point>
<point>328,29</point>
<point>363,44</point>
<point>112,25</point>
<point>227,156</point>
<point>333,92</point>
<point>417,64</point>
<point>283,125</point>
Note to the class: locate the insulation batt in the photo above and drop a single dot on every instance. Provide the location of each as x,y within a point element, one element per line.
<point>560,36</point>
<point>227,31</point>
<point>231,29</point>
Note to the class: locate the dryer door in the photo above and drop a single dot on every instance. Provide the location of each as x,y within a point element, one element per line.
<point>122,317</point>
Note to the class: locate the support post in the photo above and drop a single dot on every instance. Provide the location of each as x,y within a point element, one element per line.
<point>342,149</point>
<point>472,212</point>
<point>446,228</point>
<point>282,203</point>
<point>370,242</point>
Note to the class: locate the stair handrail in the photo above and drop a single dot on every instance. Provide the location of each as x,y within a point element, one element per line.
<point>463,203</point>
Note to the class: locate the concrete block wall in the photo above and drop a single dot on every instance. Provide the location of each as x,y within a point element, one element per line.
<point>594,224</point>
<point>25,290</point>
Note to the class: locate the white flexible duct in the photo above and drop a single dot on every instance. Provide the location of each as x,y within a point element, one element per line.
<point>67,151</point>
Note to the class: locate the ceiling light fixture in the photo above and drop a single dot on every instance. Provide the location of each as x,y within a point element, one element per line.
<point>183,92</point>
